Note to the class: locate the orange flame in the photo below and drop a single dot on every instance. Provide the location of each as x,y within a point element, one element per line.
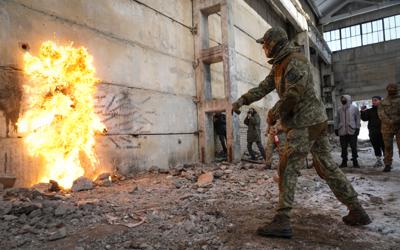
<point>60,123</point>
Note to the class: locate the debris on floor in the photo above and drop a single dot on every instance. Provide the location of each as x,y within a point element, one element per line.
<point>195,206</point>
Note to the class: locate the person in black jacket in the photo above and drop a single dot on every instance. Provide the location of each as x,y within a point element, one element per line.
<point>374,127</point>
<point>220,128</point>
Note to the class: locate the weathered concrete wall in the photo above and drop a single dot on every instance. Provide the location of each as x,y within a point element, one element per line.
<point>365,71</point>
<point>143,54</point>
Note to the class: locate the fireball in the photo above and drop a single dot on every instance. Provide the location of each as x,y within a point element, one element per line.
<point>59,123</point>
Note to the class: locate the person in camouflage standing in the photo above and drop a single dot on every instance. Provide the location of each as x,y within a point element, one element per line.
<point>252,121</point>
<point>389,113</point>
<point>303,116</point>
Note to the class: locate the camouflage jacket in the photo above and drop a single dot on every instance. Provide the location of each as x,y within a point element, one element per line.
<point>291,76</point>
<point>253,128</point>
<point>389,113</point>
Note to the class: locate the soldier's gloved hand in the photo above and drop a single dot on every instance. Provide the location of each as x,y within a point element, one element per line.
<point>336,132</point>
<point>271,118</point>
<point>357,131</point>
<point>237,105</point>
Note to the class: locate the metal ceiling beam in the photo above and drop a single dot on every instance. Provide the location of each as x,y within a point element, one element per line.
<point>329,19</point>
<point>330,13</point>
<point>297,19</point>
<point>314,8</point>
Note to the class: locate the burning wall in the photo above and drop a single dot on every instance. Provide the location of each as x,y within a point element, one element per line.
<point>144,63</point>
<point>143,55</point>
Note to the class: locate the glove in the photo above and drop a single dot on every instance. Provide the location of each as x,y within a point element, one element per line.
<point>336,132</point>
<point>271,118</point>
<point>357,131</point>
<point>236,106</point>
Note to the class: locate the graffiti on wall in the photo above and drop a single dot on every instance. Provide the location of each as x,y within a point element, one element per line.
<point>125,115</point>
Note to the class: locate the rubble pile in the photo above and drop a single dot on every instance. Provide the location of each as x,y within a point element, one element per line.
<point>189,206</point>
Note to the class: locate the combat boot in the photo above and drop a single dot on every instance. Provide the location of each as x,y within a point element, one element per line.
<point>279,227</point>
<point>344,164</point>
<point>387,168</point>
<point>355,164</point>
<point>357,216</point>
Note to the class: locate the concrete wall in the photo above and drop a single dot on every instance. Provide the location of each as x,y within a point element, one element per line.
<point>365,71</point>
<point>143,54</point>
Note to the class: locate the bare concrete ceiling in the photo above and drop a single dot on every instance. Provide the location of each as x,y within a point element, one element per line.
<point>334,10</point>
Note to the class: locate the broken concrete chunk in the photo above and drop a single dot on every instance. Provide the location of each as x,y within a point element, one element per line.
<point>218,173</point>
<point>25,207</point>
<point>179,183</point>
<point>54,187</point>
<point>35,213</point>
<point>9,217</point>
<point>205,179</point>
<point>82,183</point>
<point>59,234</point>
<point>62,210</point>
<point>134,189</point>
<point>103,176</point>
<point>103,180</point>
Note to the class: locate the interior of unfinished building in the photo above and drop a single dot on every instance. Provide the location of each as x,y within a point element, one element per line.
<point>152,124</point>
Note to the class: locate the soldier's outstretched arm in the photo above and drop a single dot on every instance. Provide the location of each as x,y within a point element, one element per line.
<point>255,94</point>
<point>296,77</point>
<point>263,89</point>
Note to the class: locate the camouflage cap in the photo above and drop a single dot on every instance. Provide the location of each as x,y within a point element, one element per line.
<point>275,34</point>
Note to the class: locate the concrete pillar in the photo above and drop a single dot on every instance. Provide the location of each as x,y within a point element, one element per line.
<point>303,40</point>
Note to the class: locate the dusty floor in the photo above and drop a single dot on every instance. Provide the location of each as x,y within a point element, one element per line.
<point>166,211</point>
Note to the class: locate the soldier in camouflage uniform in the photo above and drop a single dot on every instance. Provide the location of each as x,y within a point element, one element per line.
<point>389,114</point>
<point>253,133</point>
<point>303,116</point>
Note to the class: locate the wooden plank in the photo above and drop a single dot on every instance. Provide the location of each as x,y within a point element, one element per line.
<point>212,55</point>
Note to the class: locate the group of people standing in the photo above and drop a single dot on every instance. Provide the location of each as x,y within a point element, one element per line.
<point>383,124</point>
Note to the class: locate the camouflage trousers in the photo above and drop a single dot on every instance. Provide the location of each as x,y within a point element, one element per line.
<point>298,143</point>
<point>270,147</point>
<point>388,142</point>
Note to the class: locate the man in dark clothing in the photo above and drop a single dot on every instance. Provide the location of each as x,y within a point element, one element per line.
<point>253,133</point>
<point>220,128</point>
<point>347,127</point>
<point>374,127</point>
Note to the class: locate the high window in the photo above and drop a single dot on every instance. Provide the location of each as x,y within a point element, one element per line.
<point>392,27</point>
<point>351,37</point>
<point>333,39</point>
<point>363,34</point>
<point>372,32</point>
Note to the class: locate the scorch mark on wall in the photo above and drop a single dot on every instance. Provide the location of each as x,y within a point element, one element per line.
<point>10,95</point>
